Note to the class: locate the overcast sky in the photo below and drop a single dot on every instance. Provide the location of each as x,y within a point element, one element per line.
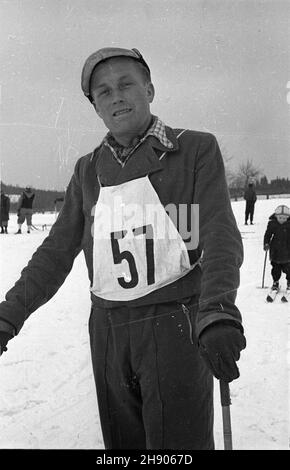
<point>217,65</point>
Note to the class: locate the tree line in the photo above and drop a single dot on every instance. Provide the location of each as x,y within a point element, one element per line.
<point>50,200</point>
<point>44,201</point>
<point>248,172</point>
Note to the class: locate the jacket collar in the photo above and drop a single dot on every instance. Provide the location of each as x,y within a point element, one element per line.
<point>171,135</point>
<point>145,160</point>
<point>156,128</point>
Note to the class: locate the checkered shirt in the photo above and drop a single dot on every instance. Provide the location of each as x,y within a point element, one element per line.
<point>122,154</point>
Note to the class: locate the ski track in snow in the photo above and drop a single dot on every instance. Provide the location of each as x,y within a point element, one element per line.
<point>47,392</point>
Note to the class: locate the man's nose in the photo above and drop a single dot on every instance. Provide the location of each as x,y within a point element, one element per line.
<point>117,96</point>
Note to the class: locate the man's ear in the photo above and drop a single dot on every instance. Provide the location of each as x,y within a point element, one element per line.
<point>150,92</point>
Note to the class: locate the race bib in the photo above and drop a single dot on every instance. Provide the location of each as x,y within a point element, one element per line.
<point>137,248</point>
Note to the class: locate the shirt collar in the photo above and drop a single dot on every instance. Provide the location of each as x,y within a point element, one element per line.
<point>157,130</point>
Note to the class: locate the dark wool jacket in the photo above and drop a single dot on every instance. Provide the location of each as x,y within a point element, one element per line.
<point>5,208</point>
<point>250,195</point>
<point>191,172</point>
<point>278,237</point>
<point>26,200</point>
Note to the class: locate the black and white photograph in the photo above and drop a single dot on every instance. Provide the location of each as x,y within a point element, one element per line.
<point>145,225</point>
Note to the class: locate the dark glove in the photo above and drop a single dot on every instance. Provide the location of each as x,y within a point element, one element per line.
<point>266,247</point>
<point>4,338</point>
<point>220,345</point>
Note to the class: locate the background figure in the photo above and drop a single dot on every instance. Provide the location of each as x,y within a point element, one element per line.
<point>4,211</point>
<point>25,209</point>
<point>250,197</point>
<point>277,239</point>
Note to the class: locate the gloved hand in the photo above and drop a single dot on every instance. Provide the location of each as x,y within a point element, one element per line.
<point>4,338</point>
<point>220,345</point>
<point>266,247</point>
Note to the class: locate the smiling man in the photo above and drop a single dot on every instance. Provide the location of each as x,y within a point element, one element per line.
<point>163,318</point>
<point>122,92</point>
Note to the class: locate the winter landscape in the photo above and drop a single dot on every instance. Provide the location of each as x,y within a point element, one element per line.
<point>47,393</point>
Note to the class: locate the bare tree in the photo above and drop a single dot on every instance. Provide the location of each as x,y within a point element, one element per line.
<point>248,172</point>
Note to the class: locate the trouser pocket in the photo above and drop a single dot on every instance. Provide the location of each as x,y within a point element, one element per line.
<point>189,308</point>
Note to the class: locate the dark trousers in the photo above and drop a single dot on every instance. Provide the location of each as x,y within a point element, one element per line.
<point>278,268</point>
<point>154,390</point>
<point>250,207</point>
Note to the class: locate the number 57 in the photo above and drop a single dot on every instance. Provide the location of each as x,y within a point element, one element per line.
<point>119,256</point>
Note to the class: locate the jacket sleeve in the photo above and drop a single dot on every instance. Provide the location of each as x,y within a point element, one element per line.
<point>268,234</point>
<point>219,239</point>
<point>49,265</point>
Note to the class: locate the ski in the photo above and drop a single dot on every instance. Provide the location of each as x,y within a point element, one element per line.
<point>286,296</point>
<point>272,295</point>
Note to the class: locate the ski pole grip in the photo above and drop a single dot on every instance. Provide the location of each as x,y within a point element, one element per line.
<point>225,393</point>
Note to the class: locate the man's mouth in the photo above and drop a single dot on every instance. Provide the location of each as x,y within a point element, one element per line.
<point>120,112</point>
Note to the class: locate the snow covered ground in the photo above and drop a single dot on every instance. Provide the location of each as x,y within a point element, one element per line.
<point>47,393</point>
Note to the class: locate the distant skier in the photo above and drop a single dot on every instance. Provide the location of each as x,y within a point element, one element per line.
<point>250,197</point>
<point>4,211</point>
<point>25,209</point>
<point>277,240</point>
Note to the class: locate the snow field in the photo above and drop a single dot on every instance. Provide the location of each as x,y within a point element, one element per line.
<point>47,393</point>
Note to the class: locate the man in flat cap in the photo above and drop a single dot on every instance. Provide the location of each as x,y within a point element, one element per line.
<point>151,211</point>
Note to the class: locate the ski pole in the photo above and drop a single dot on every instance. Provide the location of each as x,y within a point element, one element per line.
<point>225,402</point>
<point>264,268</point>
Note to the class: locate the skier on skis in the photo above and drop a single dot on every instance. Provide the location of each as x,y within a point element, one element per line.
<point>158,305</point>
<point>277,240</point>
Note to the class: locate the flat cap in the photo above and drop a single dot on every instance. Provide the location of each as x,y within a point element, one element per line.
<point>103,54</point>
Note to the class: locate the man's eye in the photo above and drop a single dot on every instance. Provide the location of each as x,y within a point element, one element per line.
<point>104,92</point>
